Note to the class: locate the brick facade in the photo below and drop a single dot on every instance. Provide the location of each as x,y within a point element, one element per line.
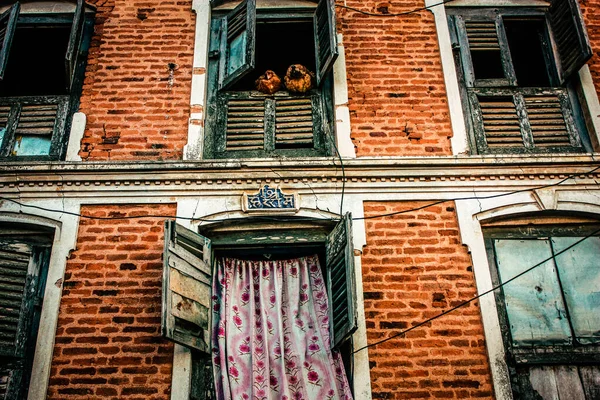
<point>135,109</point>
<point>415,267</point>
<point>396,91</point>
<point>108,341</point>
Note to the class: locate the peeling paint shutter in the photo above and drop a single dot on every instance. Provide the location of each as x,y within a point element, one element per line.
<point>340,281</point>
<point>21,293</point>
<point>547,122</point>
<point>570,36</point>
<point>237,50</point>
<point>8,23</point>
<point>580,279</point>
<point>74,43</point>
<point>294,123</point>
<point>245,129</point>
<point>326,50</point>
<point>500,122</point>
<point>536,312</point>
<point>187,288</point>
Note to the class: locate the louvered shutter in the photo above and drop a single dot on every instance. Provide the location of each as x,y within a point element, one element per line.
<point>245,129</point>
<point>187,288</point>
<point>570,36</point>
<point>238,44</point>
<point>21,291</point>
<point>74,43</point>
<point>326,50</point>
<point>294,122</point>
<point>340,281</point>
<point>8,23</point>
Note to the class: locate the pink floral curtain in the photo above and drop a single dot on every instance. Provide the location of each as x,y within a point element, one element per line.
<point>271,332</point>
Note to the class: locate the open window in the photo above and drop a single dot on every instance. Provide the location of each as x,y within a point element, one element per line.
<point>549,316</point>
<point>36,104</point>
<point>190,294</point>
<point>518,92</point>
<point>24,258</point>
<point>246,42</point>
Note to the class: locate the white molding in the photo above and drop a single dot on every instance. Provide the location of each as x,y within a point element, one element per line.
<point>340,96</point>
<point>195,144</point>
<point>459,140</point>
<point>591,98</point>
<point>65,237</point>
<point>498,3</point>
<point>75,136</point>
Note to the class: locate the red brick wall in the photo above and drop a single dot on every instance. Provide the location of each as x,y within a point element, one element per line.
<point>132,111</point>
<point>414,267</point>
<point>108,342</point>
<point>397,97</point>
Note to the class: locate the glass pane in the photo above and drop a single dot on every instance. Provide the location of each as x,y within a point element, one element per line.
<point>237,53</point>
<point>32,145</point>
<point>579,271</point>
<point>536,312</point>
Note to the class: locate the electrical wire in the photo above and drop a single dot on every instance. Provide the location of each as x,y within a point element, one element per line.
<point>21,204</point>
<point>472,299</point>
<point>372,14</point>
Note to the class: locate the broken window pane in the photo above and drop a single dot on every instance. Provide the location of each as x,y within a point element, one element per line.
<point>579,273</point>
<point>534,305</point>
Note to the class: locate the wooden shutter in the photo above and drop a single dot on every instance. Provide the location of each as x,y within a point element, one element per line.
<point>340,281</point>
<point>245,129</point>
<point>238,39</point>
<point>570,36</point>
<point>546,115</point>
<point>294,123</point>
<point>8,23</point>
<point>74,43</point>
<point>326,50</point>
<point>21,294</point>
<point>187,288</point>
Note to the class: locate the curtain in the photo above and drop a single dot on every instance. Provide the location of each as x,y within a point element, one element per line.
<point>271,332</point>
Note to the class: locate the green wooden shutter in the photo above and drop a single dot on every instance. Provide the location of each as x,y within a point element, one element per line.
<point>21,294</point>
<point>326,50</point>
<point>187,288</point>
<point>570,36</point>
<point>74,43</point>
<point>237,50</point>
<point>8,23</point>
<point>340,281</point>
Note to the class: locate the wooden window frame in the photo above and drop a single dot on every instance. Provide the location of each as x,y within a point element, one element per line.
<point>574,135</point>
<point>333,243</point>
<point>541,354</point>
<point>82,23</point>
<point>217,143</point>
<point>17,360</point>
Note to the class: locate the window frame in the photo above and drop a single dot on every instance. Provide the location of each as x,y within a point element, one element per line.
<point>542,354</point>
<point>574,139</point>
<point>322,115</point>
<point>81,21</point>
<point>335,242</point>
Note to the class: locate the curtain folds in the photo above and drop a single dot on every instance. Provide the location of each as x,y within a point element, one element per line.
<point>271,332</point>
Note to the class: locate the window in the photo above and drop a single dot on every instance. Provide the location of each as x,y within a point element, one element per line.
<point>43,49</point>
<point>549,316</point>
<point>246,42</point>
<point>188,293</point>
<point>24,257</point>
<point>517,67</point>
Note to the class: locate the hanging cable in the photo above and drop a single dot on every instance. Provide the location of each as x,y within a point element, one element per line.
<point>372,14</point>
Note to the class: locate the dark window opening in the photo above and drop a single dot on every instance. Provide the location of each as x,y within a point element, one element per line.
<point>487,64</point>
<point>526,44</point>
<point>280,44</point>
<point>37,61</point>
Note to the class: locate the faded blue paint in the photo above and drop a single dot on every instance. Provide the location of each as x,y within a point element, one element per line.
<point>579,270</point>
<point>2,132</point>
<point>32,146</point>
<point>536,311</point>
<point>237,53</point>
